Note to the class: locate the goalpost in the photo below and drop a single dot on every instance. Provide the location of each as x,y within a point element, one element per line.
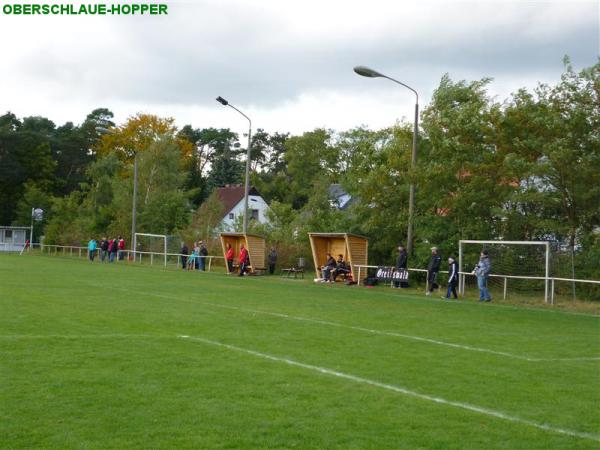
<point>152,248</point>
<point>520,259</point>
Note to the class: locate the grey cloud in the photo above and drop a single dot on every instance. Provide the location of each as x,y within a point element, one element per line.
<point>200,53</point>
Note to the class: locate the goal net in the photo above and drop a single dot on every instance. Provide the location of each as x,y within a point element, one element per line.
<point>156,248</point>
<point>519,268</point>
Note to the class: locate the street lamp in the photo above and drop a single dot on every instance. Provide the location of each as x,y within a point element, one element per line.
<point>370,73</point>
<point>224,102</point>
<point>103,130</point>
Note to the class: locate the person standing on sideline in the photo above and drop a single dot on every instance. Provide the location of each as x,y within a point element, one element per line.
<point>92,245</point>
<point>401,265</point>
<point>196,256</point>
<point>103,248</point>
<point>184,252</point>
<point>244,260</point>
<point>452,278</point>
<point>121,248</point>
<point>482,270</point>
<point>433,269</point>
<point>272,260</point>
<point>229,255</point>
<point>203,255</point>
<point>112,249</point>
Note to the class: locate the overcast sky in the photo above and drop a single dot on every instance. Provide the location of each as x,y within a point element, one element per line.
<point>286,63</point>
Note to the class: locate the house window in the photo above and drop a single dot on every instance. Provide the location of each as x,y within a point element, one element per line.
<point>8,234</point>
<point>255,214</point>
<point>231,216</point>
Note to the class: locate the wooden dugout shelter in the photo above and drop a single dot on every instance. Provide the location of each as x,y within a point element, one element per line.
<point>254,243</point>
<point>354,248</point>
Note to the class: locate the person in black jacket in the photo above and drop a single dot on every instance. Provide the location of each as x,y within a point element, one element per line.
<point>452,277</point>
<point>433,269</point>
<point>203,255</point>
<point>328,268</point>
<point>103,249</point>
<point>272,260</point>
<point>341,268</point>
<point>401,265</point>
<point>184,255</point>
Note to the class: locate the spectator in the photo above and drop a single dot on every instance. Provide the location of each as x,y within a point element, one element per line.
<point>401,265</point>
<point>272,260</point>
<point>482,270</point>
<point>121,247</point>
<point>103,249</point>
<point>193,259</point>
<point>112,249</point>
<point>341,268</point>
<point>452,278</point>
<point>244,260</point>
<point>433,269</point>
<point>328,268</point>
<point>229,255</point>
<point>92,249</point>
<point>203,255</point>
<point>184,252</point>
<point>196,256</point>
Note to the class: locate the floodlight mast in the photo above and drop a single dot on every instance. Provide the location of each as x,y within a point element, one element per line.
<point>370,73</point>
<point>224,102</point>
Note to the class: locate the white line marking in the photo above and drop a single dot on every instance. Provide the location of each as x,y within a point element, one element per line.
<point>366,330</point>
<point>401,390</point>
<point>79,336</point>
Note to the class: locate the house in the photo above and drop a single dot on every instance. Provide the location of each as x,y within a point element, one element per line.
<point>12,239</point>
<point>232,197</point>
<point>339,198</point>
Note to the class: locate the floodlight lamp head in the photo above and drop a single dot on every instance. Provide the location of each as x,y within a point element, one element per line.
<point>222,101</point>
<point>367,72</point>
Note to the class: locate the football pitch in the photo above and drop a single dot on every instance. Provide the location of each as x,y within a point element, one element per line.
<point>116,356</point>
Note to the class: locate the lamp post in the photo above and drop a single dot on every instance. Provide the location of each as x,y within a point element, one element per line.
<point>224,102</point>
<point>133,207</point>
<point>103,130</point>
<point>370,73</point>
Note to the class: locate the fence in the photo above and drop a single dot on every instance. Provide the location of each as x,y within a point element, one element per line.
<point>505,280</point>
<point>130,256</point>
<point>174,260</point>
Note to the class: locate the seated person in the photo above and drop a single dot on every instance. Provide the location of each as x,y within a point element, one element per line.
<point>328,268</point>
<point>341,268</point>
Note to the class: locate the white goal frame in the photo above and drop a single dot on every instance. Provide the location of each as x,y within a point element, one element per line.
<point>546,278</point>
<point>163,236</point>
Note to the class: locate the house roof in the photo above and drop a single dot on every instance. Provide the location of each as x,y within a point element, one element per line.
<point>336,192</point>
<point>337,235</point>
<point>231,194</point>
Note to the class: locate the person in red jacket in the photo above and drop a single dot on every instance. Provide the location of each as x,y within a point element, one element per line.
<point>121,247</point>
<point>244,260</point>
<point>229,257</point>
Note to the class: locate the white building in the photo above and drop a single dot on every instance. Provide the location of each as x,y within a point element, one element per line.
<point>12,239</point>
<point>232,197</point>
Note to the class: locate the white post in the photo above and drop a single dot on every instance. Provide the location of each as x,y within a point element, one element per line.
<point>165,251</point>
<point>552,294</point>
<point>209,262</point>
<point>547,271</point>
<point>505,286</point>
<point>151,258</point>
<point>461,278</point>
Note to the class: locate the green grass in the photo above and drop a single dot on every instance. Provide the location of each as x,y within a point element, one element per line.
<point>91,357</point>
